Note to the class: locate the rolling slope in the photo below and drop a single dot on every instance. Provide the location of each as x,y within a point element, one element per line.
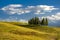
<point>9,31</point>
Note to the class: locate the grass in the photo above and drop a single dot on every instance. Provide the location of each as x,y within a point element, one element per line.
<point>17,31</point>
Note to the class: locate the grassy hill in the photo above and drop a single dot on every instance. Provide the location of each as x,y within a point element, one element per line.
<point>15,31</point>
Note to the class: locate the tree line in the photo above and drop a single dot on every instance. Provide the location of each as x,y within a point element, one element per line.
<point>37,21</point>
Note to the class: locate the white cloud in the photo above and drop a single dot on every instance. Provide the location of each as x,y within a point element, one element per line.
<point>46,7</point>
<point>23,20</point>
<point>15,9</point>
<point>19,9</point>
<point>15,5</point>
<point>14,19</point>
<point>54,17</point>
<point>30,7</point>
<point>10,19</point>
<point>41,9</point>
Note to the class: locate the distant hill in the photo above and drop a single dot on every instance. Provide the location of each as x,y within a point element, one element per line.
<point>55,23</point>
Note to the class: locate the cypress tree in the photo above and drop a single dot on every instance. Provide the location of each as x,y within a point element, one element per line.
<point>42,22</point>
<point>34,21</point>
<point>46,21</point>
<point>37,21</point>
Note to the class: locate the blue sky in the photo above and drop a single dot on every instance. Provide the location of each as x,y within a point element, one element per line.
<point>30,2</point>
<point>22,10</point>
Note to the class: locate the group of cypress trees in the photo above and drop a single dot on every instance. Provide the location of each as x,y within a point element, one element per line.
<point>36,21</point>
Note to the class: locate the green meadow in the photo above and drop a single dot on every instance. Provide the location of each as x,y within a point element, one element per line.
<point>23,31</point>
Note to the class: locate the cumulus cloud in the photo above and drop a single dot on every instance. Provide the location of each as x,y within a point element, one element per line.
<point>19,9</point>
<point>10,19</point>
<point>15,9</point>
<point>14,19</point>
<point>41,9</point>
<point>54,17</point>
<point>23,20</point>
<point>15,5</point>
